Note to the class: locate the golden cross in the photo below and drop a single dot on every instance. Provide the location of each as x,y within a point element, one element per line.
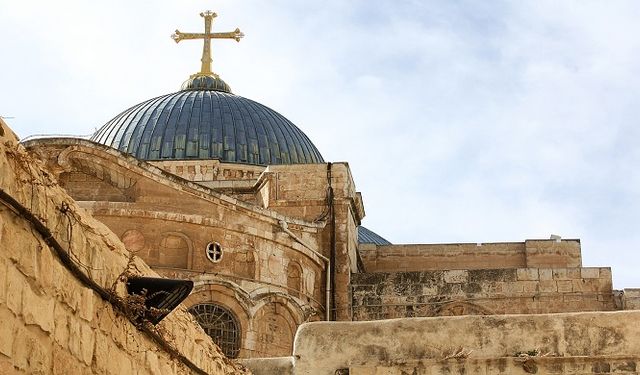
<point>207,36</point>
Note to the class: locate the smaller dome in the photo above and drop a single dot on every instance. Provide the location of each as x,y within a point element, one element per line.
<point>368,236</point>
<point>206,82</point>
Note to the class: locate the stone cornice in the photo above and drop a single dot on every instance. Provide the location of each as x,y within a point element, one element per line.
<point>108,157</point>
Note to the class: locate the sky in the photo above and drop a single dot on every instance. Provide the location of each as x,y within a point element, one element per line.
<point>462,121</point>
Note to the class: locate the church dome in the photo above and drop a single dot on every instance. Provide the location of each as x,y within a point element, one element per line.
<point>205,122</point>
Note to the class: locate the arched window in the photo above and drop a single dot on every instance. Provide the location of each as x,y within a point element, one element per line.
<point>174,250</point>
<point>221,325</point>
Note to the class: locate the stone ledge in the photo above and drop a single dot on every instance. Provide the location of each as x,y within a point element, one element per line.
<point>509,365</point>
<point>269,366</point>
<point>322,347</point>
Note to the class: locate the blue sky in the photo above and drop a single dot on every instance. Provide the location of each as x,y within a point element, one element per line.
<point>462,121</point>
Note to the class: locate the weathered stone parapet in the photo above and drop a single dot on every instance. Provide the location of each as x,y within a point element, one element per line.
<point>269,366</point>
<point>553,253</point>
<point>488,291</point>
<point>423,257</point>
<point>571,343</point>
<point>631,299</point>
<point>627,365</point>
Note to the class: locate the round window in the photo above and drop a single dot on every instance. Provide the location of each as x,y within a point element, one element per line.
<point>214,252</point>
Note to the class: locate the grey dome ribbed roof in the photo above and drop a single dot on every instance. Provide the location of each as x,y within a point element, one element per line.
<point>207,124</point>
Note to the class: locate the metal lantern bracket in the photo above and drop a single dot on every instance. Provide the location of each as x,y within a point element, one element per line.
<point>161,295</point>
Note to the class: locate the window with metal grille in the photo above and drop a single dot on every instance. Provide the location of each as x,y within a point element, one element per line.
<point>214,252</point>
<point>221,325</point>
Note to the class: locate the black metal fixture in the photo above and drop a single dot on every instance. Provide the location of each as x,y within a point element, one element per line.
<point>160,296</point>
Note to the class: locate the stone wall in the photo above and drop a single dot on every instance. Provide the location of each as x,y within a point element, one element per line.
<point>490,291</point>
<point>631,299</point>
<point>269,280</point>
<point>170,220</point>
<point>301,191</point>
<point>51,322</point>
<point>424,257</point>
<point>570,343</point>
<point>620,365</point>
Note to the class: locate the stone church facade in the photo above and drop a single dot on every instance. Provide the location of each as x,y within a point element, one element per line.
<point>206,185</point>
<point>249,237</point>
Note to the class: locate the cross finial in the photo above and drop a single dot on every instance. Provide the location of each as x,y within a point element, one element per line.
<point>207,36</point>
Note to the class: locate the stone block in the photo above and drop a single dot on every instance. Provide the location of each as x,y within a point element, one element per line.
<point>605,285</point>
<point>66,287</point>
<point>597,285</point>
<point>110,359</point>
<point>565,286</point>
<point>21,256</point>
<point>573,273</point>
<point>46,264</point>
<point>560,274</point>
<point>104,345</point>
<point>8,324</point>
<point>87,304</point>
<point>456,276</point>
<point>64,363</point>
<point>87,339</point>
<point>472,289</point>
<point>15,282</point>
<point>366,371</point>
<point>81,340</point>
<point>6,366</point>
<point>632,292</point>
<point>452,290</point>
<point>573,299</point>
<point>529,286</point>
<point>548,286</point>
<point>74,337</point>
<point>37,309</point>
<point>576,367</point>
<point>3,280</point>
<point>600,367</point>
<point>605,273</point>
<point>545,274</point>
<point>61,329</point>
<point>393,300</point>
<point>31,352</point>
<point>625,366</point>
<point>578,285</point>
<point>527,274</point>
<point>590,273</point>
<point>513,288</point>
<point>152,363</point>
<point>494,288</point>
<point>431,278</point>
<point>167,367</point>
